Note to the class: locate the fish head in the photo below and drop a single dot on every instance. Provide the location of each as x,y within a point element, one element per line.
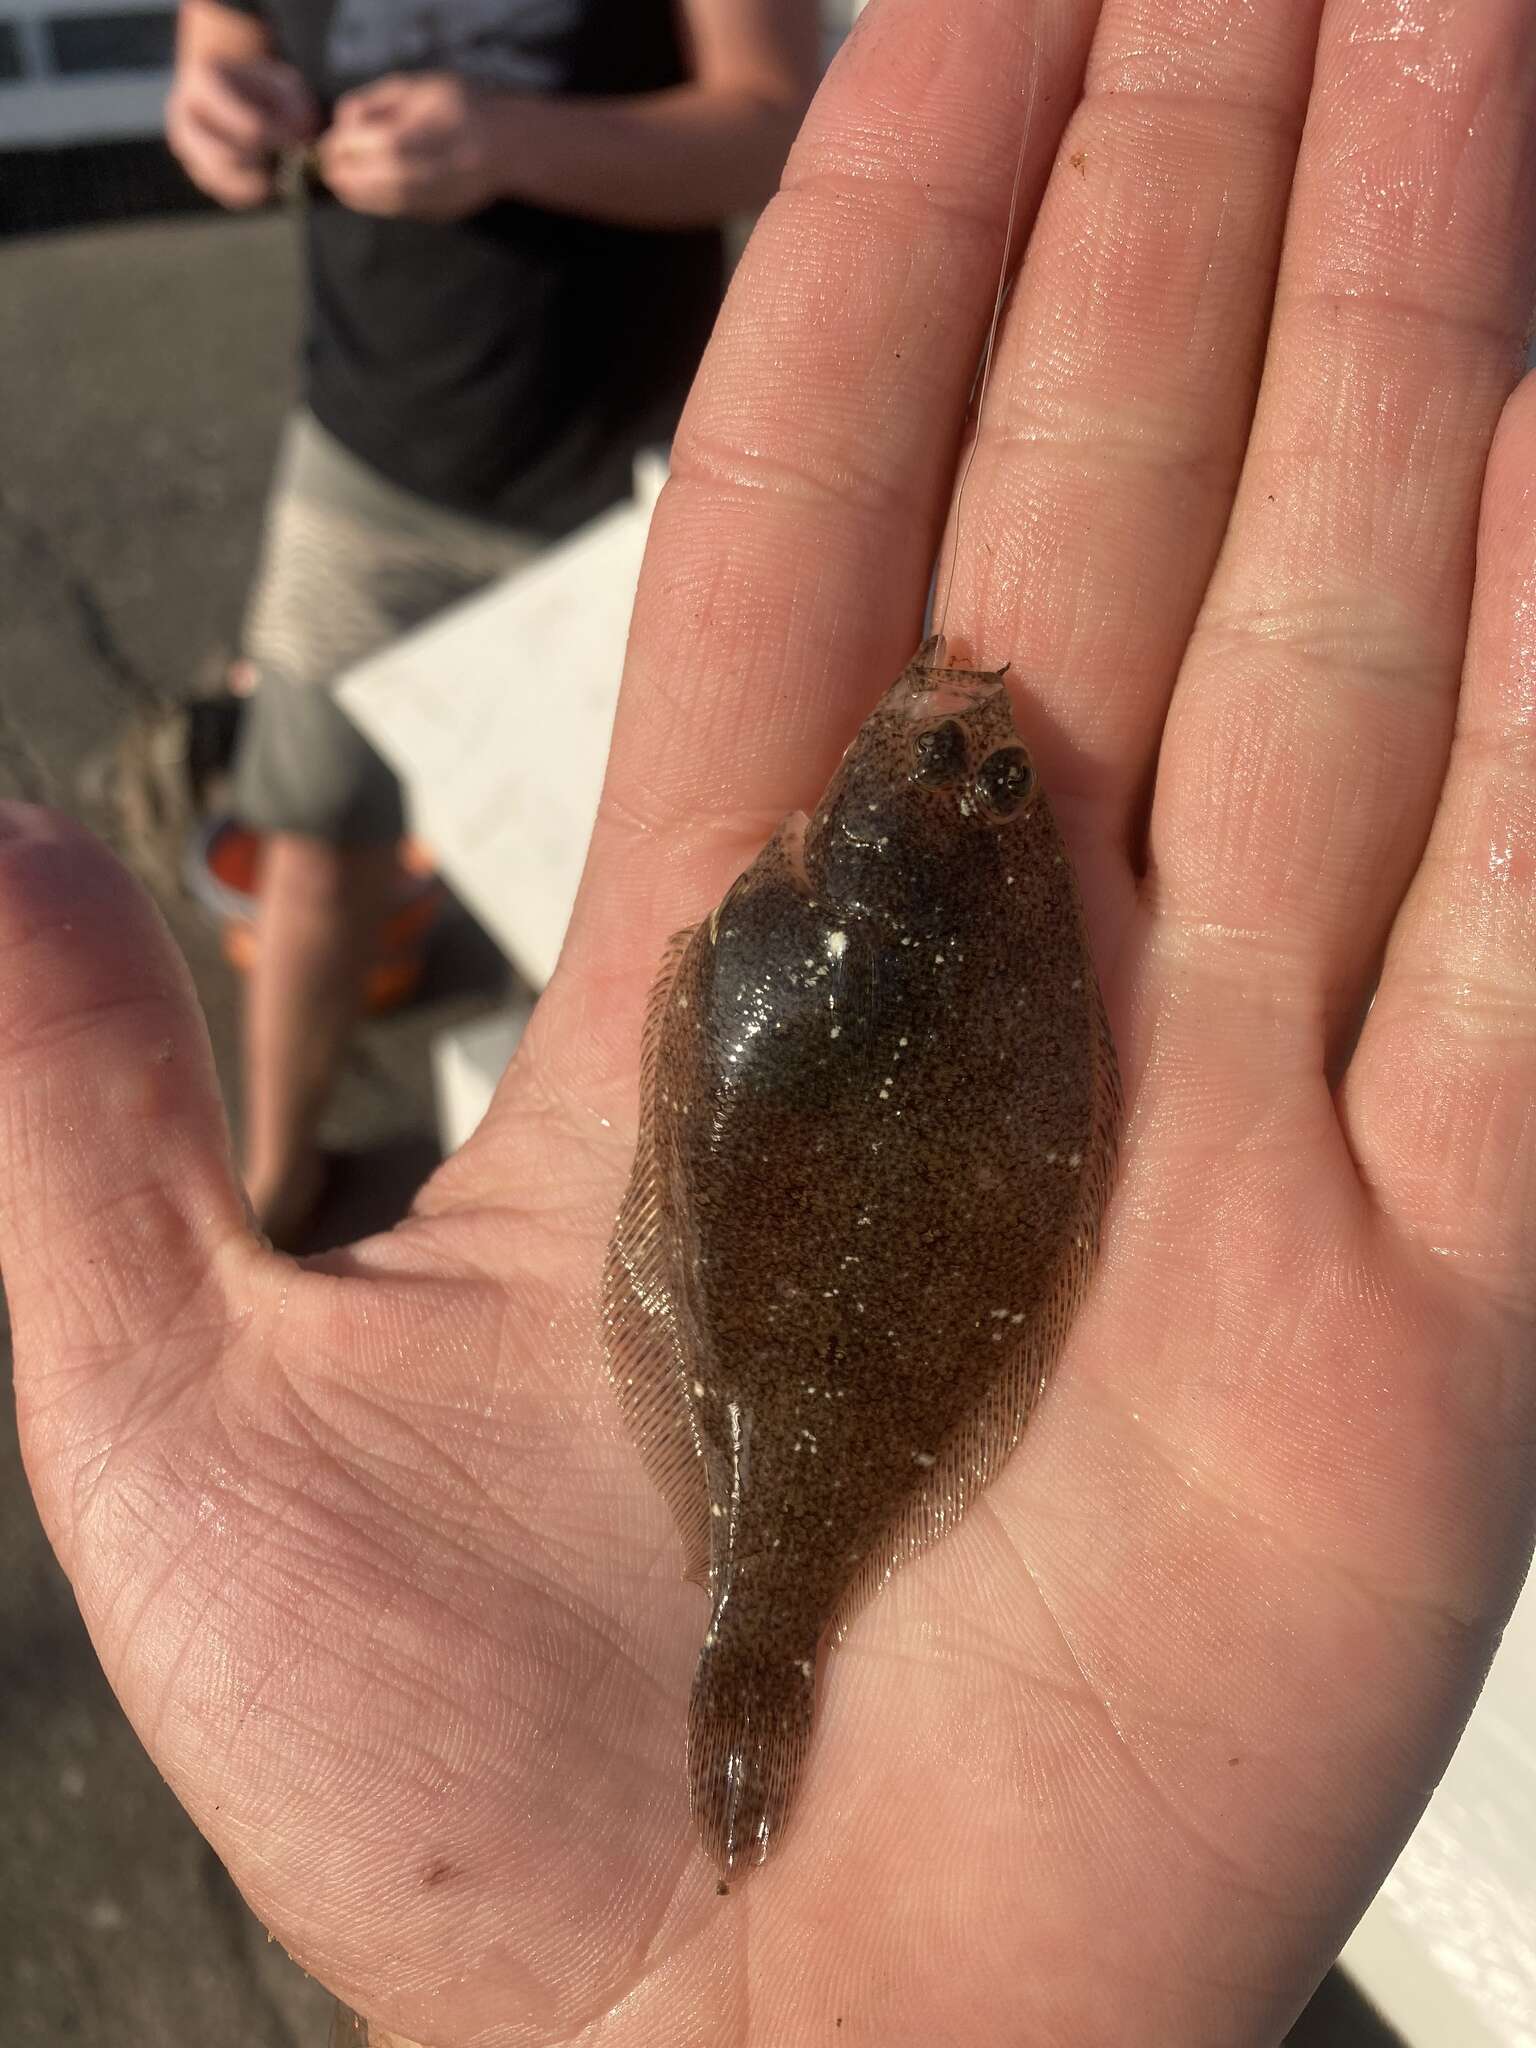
<point>935,784</point>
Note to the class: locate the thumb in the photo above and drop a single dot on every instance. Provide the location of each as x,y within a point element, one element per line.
<point>121,1220</point>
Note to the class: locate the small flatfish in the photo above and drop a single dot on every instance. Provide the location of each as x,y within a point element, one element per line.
<point>879,1108</point>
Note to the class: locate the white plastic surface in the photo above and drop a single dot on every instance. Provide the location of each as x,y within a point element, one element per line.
<point>1447,1951</point>
<point>467,1063</point>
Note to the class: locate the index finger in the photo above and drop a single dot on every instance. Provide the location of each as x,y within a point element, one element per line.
<point>790,554</point>
<point>369,103</point>
<point>216,103</point>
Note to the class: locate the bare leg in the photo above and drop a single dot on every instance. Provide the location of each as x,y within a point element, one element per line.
<point>317,929</point>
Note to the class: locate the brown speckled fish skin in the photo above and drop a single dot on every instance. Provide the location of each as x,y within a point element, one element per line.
<point>878,1121</point>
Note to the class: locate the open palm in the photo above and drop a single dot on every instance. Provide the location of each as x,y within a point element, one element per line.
<point>360,1541</point>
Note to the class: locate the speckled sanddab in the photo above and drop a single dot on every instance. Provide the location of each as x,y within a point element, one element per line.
<point>879,1110</point>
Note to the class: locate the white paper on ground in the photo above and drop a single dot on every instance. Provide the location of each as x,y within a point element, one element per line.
<point>496,716</point>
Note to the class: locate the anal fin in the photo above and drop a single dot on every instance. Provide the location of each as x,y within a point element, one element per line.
<point>645,1358</point>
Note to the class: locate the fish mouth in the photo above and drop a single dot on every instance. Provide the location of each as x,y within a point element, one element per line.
<point>950,689</point>
<point>792,839</point>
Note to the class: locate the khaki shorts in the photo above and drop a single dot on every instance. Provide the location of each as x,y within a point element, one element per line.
<point>349,562</point>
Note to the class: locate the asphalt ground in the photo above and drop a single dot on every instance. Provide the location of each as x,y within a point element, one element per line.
<point>144,370</point>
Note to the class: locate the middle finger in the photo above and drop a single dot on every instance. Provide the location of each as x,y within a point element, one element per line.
<point>1111,441</point>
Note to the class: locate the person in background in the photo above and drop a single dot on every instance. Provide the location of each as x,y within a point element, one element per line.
<point>514,258</point>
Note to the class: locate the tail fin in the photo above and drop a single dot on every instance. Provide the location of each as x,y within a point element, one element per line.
<point>749,1726</point>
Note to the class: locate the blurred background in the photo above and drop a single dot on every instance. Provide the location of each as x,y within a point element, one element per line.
<point>148,345</point>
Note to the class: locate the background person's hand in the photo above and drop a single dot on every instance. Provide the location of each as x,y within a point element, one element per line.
<point>226,123</point>
<point>361,1542</point>
<point>422,145</point>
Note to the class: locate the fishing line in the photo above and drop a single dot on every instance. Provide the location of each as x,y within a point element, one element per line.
<point>1004,283</point>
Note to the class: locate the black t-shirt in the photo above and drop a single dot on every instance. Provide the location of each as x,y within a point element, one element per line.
<point>509,364</point>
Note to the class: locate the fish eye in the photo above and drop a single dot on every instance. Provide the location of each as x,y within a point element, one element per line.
<point>1005,782</point>
<point>939,755</point>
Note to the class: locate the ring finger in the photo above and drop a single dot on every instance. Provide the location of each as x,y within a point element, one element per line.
<point>1322,676</point>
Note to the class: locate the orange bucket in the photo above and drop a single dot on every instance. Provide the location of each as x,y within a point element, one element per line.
<point>223,871</point>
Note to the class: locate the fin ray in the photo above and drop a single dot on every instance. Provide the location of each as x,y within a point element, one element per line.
<point>645,1354</point>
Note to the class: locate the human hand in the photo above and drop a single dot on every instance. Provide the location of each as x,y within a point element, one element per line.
<point>226,123</point>
<point>360,1541</point>
<point>426,146</point>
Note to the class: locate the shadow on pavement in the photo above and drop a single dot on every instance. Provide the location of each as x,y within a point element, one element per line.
<point>43,190</point>
<point>1339,2017</point>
